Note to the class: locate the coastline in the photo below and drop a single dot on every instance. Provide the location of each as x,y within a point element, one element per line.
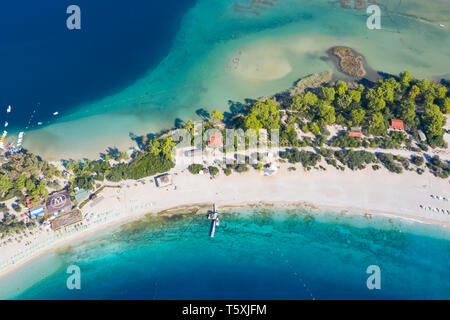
<point>204,73</point>
<point>233,193</point>
<point>397,199</point>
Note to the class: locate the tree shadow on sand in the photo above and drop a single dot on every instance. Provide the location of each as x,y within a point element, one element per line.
<point>179,123</point>
<point>142,141</point>
<point>202,113</point>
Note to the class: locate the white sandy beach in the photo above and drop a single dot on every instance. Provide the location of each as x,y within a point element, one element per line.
<point>361,192</point>
<point>364,192</point>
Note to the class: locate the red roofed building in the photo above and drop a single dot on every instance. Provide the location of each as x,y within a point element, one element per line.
<point>29,202</point>
<point>356,134</point>
<point>215,140</point>
<point>397,124</point>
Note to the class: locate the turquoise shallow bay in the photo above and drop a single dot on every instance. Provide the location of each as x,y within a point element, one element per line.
<point>256,254</point>
<point>220,56</point>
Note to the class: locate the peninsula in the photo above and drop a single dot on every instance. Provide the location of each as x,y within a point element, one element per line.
<point>374,149</point>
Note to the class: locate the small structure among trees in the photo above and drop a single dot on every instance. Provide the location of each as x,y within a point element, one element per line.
<point>397,124</point>
<point>355,132</point>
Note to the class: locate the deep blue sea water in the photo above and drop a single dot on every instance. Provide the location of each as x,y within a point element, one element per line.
<point>256,254</point>
<point>46,67</point>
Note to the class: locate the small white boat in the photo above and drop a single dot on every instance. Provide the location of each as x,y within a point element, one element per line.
<point>441,25</point>
<point>6,124</point>
<point>9,109</point>
<point>55,113</point>
<point>39,123</point>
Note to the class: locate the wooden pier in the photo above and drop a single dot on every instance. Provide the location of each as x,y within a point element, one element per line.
<point>214,216</point>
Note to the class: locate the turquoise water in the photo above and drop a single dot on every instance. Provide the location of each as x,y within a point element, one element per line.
<point>220,56</point>
<point>256,254</point>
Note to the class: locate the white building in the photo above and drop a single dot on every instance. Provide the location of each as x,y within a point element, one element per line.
<point>163,180</point>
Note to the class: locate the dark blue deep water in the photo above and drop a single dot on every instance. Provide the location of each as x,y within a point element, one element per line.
<point>47,67</point>
<point>256,255</point>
